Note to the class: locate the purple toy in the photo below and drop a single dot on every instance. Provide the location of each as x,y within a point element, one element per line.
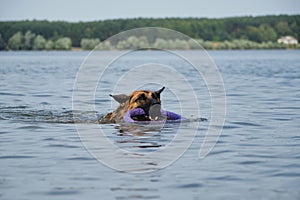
<point>140,113</point>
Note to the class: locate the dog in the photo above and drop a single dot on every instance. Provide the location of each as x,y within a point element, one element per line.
<point>147,100</point>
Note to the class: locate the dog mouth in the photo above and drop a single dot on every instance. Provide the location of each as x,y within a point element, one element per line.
<point>153,113</point>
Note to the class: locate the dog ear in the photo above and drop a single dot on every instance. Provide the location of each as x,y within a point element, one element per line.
<point>159,91</point>
<point>120,98</point>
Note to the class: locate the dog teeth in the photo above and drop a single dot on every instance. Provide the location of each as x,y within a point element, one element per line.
<point>154,119</point>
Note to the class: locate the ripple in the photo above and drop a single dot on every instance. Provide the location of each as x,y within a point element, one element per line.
<point>225,178</point>
<point>245,123</point>
<point>130,189</point>
<point>190,185</point>
<point>24,113</point>
<point>216,152</point>
<point>296,137</point>
<point>62,191</point>
<point>287,174</point>
<point>30,127</point>
<point>50,139</point>
<point>148,146</point>
<point>81,158</point>
<point>63,146</point>
<point>235,95</point>
<point>16,157</point>
<point>228,127</point>
<point>252,162</point>
<point>281,119</point>
<point>42,95</point>
<point>11,94</point>
<point>13,107</point>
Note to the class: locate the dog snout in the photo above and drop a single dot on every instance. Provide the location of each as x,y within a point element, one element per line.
<point>154,111</point>
<point>155,101</point>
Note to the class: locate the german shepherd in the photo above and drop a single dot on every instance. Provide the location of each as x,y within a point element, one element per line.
<point>148,100</point>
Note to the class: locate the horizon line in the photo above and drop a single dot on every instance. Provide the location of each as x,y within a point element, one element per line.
<point>154,18</point>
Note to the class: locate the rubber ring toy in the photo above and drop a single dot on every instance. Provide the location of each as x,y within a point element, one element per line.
<point>168,116</point>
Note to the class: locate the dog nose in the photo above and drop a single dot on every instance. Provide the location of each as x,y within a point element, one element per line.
<point>155,101</point>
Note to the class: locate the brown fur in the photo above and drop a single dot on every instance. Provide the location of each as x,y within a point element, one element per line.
<point>148,100</point>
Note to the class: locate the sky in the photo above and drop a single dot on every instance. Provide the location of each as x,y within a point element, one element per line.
<point>92,10</point>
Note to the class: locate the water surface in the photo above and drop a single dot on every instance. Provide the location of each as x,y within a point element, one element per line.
<point>256,157</point>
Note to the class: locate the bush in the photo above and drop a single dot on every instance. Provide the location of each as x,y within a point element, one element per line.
<point>28,40</point>
<point>15,42</point>
<point>89,43</point>
<point>64,43</point>
<point>49,45</point>
<point>180,44</point>
<point>194,44</point>
<point>106,45</point>
<point>39,43</point>
<point>161,44</point>
<point>133,42</point>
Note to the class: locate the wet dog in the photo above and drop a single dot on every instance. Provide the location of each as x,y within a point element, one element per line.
<point>147,100</point>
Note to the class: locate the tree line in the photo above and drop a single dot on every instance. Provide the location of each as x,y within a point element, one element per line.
<point>214,33</point>
<point>31,41</point>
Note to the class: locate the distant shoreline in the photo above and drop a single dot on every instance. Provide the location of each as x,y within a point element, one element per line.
<point>261,32</point>
<point>76,49</point>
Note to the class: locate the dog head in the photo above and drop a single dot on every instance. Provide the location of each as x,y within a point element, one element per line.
<point>148,100</point>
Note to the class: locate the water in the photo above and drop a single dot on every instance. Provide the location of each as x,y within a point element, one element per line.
<point>256,157</point>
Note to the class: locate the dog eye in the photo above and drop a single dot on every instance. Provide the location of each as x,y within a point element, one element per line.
<point>141,97</point>
<point>154,96</point>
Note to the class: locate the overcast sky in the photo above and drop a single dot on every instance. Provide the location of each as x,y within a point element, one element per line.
<point>91,10</point>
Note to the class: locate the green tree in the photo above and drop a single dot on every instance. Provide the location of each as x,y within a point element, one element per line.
<point>251,33</point>
<point>295,29</point>
<point>88,32</point>
<point>267,33</point>
<point>15,42</point>
<point>2,43</point>
<point>283,28</point>
<point>28,40</point>
<point>64,43</point>
<point>39,43</point>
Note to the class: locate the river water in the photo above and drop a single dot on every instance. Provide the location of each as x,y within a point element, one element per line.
<point>257,155</point>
